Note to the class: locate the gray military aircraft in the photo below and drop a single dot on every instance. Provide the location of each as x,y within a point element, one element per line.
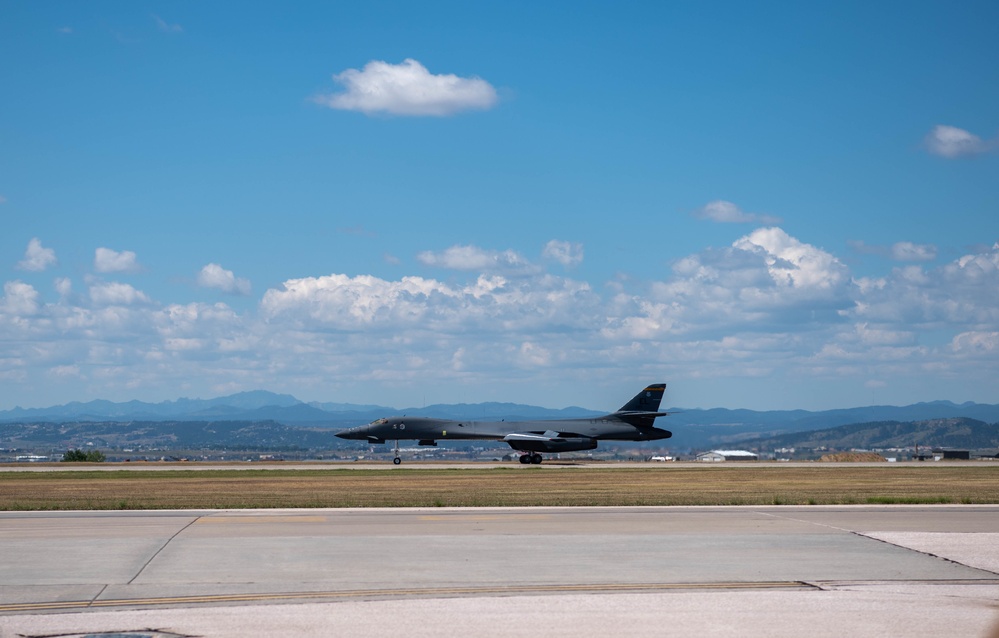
<point>635,421</point>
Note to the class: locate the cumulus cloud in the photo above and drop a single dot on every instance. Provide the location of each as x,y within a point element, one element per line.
<point>767,306</point>
<point>488,304</point>
<point>115,293</point>
<point>19,299</point>
<point>977,343</point>
<point>63,286</point>
<point>214,276</point>
<point>566,253</point>
<point>37,258</point>
<point>107,260</point>
<point>792,263</point>
<point>765,281</point>
<point>952,142</point>
<point>475,258</point>
<point>728,213</point>
<point>956,294</point>
<point>407,89</point>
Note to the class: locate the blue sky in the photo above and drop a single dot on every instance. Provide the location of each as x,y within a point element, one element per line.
<point>766,205</point>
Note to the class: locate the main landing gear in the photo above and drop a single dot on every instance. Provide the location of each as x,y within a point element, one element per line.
<point>529,459</point>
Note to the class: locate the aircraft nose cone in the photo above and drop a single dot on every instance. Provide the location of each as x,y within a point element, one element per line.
<point>350,433</point>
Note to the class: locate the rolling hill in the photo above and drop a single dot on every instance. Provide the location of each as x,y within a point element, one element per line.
<point>955,433</point>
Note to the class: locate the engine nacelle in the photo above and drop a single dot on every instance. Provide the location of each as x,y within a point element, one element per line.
<point>654,434</point>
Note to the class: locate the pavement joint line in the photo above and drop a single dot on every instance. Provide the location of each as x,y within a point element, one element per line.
<point>403,593</point>
<point>925,553</point>
<point>98,595</point>
<point>164,546</point>
<point>800,520</point>
<point>866,535</point>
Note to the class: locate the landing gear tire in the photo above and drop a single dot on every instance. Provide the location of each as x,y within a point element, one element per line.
<point>525,458</point>
<point>397,460</point>
<point>536,459</point>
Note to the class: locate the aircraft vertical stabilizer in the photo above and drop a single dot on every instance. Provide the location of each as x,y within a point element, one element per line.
<point>647,400</point>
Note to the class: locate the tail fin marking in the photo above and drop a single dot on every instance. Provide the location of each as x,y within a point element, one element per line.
<point>647,400</point>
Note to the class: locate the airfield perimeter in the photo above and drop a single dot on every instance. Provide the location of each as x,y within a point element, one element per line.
<point>869,569</point>
<point>421,484</point>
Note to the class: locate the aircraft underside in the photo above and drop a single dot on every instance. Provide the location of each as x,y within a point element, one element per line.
<point>560,445</point>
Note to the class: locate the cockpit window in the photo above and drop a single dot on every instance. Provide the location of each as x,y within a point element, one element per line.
<point>379,422</point>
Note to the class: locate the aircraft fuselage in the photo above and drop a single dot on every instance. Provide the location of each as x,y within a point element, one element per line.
<point>633,422</point>
<point>427,429</point>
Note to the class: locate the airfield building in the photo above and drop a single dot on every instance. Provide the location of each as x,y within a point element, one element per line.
<point>727,455</point>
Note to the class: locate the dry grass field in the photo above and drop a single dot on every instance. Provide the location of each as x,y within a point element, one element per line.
<point>680,484</point>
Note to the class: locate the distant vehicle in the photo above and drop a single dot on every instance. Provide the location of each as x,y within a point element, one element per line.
<point>635,421</point>
<point>658,459</point>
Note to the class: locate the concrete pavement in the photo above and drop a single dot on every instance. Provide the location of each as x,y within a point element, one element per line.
<point>748,571</point>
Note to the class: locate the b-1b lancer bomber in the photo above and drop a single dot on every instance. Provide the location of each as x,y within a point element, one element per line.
<point>635,421</point>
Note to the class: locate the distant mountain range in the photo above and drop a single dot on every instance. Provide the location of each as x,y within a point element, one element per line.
<point>955,433</point>
<point>166,435</point>
<point>261,405</point>
<point>696,428</point>
<point>719,426</point>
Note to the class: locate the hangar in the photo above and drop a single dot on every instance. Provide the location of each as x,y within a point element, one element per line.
<point>727,455</point>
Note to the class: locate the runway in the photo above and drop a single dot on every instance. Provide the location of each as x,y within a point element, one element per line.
<point>706,571</point>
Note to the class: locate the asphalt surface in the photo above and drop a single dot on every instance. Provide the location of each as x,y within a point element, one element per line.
<point>683,571</point>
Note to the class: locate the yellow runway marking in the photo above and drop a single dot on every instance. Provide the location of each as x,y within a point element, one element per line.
<point>397,593</point>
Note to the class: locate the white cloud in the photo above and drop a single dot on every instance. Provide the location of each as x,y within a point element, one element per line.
<point>956,294</point>
<point>566,253</point>
<point>899,251</point>
<point>19,299</point>
<point>63,286</point>
<point>908,251</point>
<point>475,258</point>
<point>794,264</point>
<point>107,260</point>
<point>488,304</point>
<point>533,355</point>
<point>115,293</point>
<point>408,89</point>
<point>728,213</point>
<point>766,281</point>
<point>166,27</point>
<point>214,276</point>
<point>976,343</point>
<point>769,306</point>
<point>36,257</point>
<point>952,142</point>
<point>65,371</point>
